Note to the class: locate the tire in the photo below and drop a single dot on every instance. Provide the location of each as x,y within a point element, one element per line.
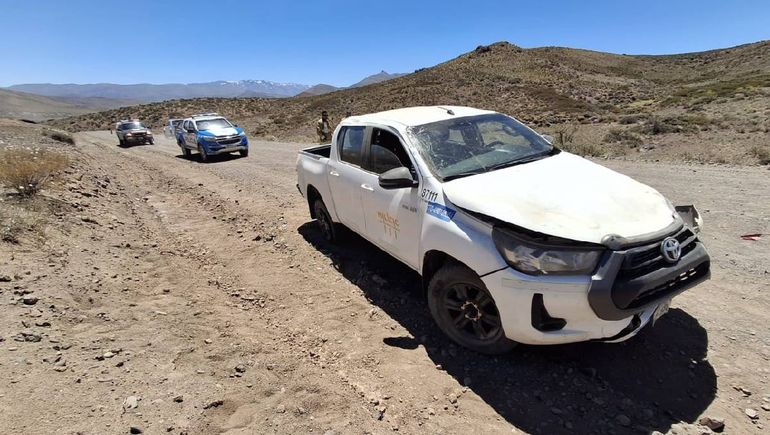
<point>324,220</point>
<point>244,153</point>
<point>464,309</point>
<point>186,152</point>
<point>121,142</point>
<point>202,152</point>
<point>152,141</point>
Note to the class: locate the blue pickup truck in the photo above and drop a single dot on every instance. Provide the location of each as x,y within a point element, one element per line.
<point>210,134</point>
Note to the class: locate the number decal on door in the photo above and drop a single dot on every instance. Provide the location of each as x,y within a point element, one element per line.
<point>429,195</point>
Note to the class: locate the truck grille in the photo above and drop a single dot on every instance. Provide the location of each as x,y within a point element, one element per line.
<point>229,140</point>
<point>645,259</point>
<point>670,286</point>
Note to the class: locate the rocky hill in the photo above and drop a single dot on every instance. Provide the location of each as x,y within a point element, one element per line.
<point>708,106</point>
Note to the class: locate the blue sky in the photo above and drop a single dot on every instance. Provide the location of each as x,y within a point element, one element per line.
<point>336,42</point>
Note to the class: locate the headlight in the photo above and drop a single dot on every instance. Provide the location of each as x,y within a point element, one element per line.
<point>149,133</point>
<point>535,258</point>
<point>129,134</point>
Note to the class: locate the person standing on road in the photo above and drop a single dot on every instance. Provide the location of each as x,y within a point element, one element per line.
<point>324,128</point>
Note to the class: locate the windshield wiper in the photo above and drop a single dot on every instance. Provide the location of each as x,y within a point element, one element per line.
<point>523,160</point>
<point>507,164</point>
<point>461,175</point>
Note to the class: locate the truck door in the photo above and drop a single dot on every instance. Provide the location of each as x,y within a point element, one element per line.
<point>392,219</point>
<point>191,135</point>
<point>345,177</point>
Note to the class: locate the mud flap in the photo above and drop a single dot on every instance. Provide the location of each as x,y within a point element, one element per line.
<point>690,216</point>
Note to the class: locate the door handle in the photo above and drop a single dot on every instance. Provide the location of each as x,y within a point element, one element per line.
<point>367,187</point>
<point>335,173</point>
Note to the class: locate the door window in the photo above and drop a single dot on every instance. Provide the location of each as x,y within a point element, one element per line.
<point>386,152</point>
<point>351,144</point>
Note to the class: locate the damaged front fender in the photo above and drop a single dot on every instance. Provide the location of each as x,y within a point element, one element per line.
<point>690,216</point>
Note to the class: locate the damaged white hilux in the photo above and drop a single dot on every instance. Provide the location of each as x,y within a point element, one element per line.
<point>516,240</point>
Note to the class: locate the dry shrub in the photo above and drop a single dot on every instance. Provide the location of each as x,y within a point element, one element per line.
<point>585,149</point>
<point>762,153</point>
<point>27,170</point>
<point>58,135</point>
<point>622,136</point>
<point>565,134</point>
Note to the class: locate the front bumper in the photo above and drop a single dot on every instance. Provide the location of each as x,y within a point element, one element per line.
<point>214,148</point>
<point>141,139</point>
<point>612,305</point>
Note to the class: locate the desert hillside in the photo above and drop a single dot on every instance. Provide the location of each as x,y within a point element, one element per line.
<point>710,106</point>
<point>21,105</point>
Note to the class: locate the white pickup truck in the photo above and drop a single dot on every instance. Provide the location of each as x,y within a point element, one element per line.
<point>516,241</point>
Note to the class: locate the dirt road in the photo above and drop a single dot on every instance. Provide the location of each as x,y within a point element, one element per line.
<point>181,297</point>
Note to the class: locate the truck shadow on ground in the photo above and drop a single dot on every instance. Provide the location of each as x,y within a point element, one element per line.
<point>219,158</point>
<point>656,379</point>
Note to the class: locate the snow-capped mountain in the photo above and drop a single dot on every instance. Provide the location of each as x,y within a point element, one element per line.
<point>149,92</point>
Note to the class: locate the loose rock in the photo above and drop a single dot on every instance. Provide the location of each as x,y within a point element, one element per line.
<point>717,424</point>
<point>214,404</point>
<point>29,300</point>
<point>752,413</point>
<point>131,402</point>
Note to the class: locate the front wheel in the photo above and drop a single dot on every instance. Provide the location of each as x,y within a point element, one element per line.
<point>464,309</point>
<point>244,153</point>
<point>202,151</point>
<point>325,223</point>
<point>186,152</point>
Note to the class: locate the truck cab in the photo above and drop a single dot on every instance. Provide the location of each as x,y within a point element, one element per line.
<point>211,134</point>
<point>516,241</point>
<point>133,131</point>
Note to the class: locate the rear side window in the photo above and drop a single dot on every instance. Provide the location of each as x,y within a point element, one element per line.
<point>387,153</point>
<point>351,144</point>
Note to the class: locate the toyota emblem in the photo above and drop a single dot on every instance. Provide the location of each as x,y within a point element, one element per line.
<point>671,249</point>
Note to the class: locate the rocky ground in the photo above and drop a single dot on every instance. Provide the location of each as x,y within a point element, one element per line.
<point>159,295</point>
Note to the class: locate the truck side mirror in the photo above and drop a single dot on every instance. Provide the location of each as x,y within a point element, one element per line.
<point>397,178</point>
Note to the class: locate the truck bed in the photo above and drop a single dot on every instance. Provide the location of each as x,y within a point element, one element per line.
<point>318,151</point>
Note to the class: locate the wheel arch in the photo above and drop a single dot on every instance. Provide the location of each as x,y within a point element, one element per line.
<point>432,262</point>
<point>312,194</point>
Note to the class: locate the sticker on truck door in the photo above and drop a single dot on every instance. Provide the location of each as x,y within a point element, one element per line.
<point>444,213</point>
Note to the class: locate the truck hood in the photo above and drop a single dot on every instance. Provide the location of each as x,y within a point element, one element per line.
<point>564,196</point>
<point>225,131</point>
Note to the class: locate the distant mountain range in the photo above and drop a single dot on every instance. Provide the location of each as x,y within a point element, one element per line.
<point>107,95</point>
<point>321,89</point>
<point>171,91</point>
<point>39,101</point>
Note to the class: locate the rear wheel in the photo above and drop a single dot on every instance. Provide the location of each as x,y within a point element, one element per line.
<point>324,220</point>
<point>464,309</point>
